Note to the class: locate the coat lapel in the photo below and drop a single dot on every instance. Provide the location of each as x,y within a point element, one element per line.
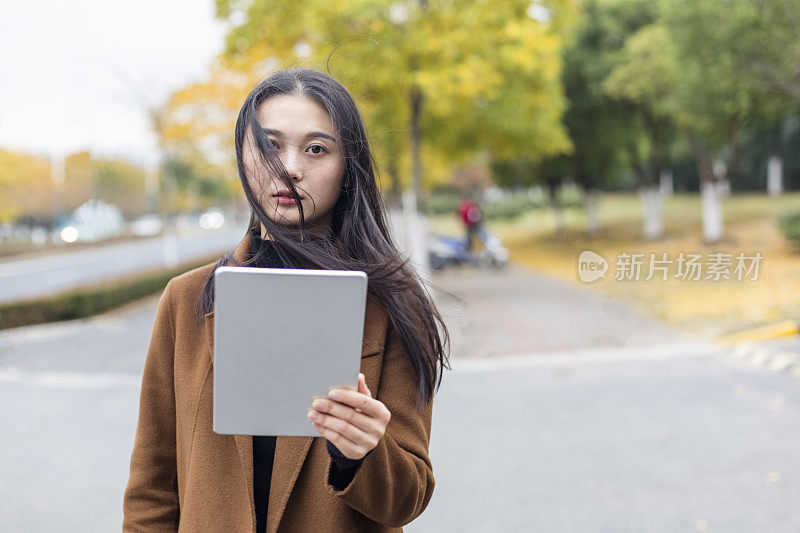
<point>290,452</point>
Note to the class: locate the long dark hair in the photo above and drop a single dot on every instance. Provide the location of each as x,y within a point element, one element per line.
<point>358,238</point>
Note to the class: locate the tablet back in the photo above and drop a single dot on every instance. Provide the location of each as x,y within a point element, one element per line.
<point>283,337</point>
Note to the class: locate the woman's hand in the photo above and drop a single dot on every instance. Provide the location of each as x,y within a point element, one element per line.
<point>353,421</point>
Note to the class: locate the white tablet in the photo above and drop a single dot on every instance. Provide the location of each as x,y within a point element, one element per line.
<point>283,337</point>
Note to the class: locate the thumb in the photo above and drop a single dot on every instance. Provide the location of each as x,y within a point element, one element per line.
<point>362,385</point>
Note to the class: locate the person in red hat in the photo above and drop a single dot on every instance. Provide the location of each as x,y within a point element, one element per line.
<point>470,214</point>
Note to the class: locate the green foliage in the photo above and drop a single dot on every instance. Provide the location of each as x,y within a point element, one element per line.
<point>195,182</point>
<point>489,72</point>
<point>777,58</point>
<point>640,74</point>
<point>645,75</point>
<point>443,203</point>
<point>516,172</point>
<point>718,90</point>
<point>600,124</point>
<point>789,225</point>
<point>509,208</point>
<point>120,183</point>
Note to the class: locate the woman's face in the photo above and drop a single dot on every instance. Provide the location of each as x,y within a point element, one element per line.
<point>309,148</point>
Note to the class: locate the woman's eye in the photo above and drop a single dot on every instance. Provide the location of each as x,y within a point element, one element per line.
<point>272,143</point>
<point>321,148</point>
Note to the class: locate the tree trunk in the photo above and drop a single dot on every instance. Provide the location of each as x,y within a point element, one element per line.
<point>775,175</point>
<point>775,162</point>
<point>558,215</point>
<point>721,174</point>
<point>396,189</point>
<point>416,232</point>
<point>652,211</point>
<point>712,211</point>
<point>710,190</point>
<point>590,205</point>
<point>665,179</point>
<point>413,203</point>
<point>416,141</point>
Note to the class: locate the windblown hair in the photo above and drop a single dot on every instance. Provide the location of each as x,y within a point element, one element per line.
<point>358,238</point>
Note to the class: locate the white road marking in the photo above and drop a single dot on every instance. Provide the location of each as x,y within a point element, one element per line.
<point>562,359</point>
<point>581,357</point>
<point>68,380</point>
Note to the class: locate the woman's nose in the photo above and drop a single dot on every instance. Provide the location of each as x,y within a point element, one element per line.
<point>293,166</point>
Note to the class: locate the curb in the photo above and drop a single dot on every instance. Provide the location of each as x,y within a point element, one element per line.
<point>775,359</point>
<point>781,329</point>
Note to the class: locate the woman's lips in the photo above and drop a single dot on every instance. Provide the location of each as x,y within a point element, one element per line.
<point>285,200</point>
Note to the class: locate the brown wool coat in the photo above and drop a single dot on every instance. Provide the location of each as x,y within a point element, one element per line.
<point>186,478</point>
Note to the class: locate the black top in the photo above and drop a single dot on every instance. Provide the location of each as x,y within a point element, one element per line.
<point>344,468</point>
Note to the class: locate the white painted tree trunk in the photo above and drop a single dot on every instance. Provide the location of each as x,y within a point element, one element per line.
<point>667,187</point>
<point>775,176</point>
<point>720,170</point>
<point>712,210</point>
<point>724,188</point>
<point>652,211</point>
<point>590,204</point>
<point>416,231</point>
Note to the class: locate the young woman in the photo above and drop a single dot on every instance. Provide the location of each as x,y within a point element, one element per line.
<point>308,174</point>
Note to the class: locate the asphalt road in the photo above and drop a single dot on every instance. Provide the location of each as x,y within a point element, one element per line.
<point>564,412</point>
<point>666,440</point>
<point>28,277</point>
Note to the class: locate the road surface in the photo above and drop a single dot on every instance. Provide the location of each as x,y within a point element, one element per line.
<point>564,412</point>
<point>39,275</point>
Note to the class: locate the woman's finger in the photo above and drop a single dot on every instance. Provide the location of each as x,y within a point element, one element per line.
<point>369,406</point>
<point>344,428</point>
<point>347,413</point>
<point>348,448</point>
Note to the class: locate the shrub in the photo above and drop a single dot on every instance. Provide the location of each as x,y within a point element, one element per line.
<point>790,227</point>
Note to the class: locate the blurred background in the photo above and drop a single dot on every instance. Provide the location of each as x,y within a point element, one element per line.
<point>603,195</point>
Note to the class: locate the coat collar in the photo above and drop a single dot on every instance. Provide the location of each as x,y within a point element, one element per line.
<point>290,452</point>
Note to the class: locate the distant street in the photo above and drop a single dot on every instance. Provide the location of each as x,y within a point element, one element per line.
<point>564,412</point>
<point>28,277</point>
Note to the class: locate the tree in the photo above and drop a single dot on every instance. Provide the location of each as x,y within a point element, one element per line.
<point>777,59</point>
<point>120,183</point>
<point>603,126</point>
<point>776,63</point>
<point>646,76</point>
<point>718,89</point>
<point>455,77</point>
<point>26,187</point>
<point>547,173</point>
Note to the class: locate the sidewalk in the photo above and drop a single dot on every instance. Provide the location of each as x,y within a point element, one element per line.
<point>515,311</point>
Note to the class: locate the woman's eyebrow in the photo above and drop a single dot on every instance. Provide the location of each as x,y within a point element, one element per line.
<point>309,135</point>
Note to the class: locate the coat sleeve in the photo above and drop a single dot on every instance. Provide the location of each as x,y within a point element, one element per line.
<point>394,482</point>
<point>151,497</point>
